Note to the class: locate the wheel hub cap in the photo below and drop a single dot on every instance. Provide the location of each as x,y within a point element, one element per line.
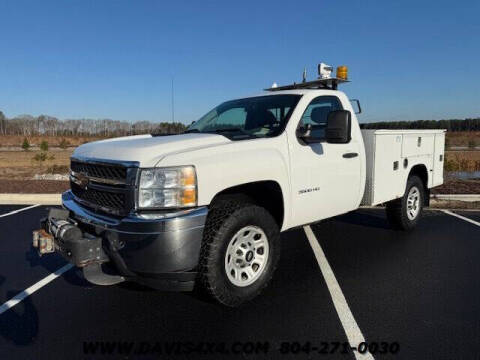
<point>246,256</point>
<point>413,203</point>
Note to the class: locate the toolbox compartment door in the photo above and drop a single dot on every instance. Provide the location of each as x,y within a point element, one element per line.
<point>417,144</point>
<point>388,173</point>
<point>438,159</point>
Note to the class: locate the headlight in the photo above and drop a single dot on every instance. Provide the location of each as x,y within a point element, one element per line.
<point>167,187</point>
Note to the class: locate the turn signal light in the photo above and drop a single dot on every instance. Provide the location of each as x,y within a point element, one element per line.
<point>189,197</point>
<point>188,176</point>
<point>342,72</point>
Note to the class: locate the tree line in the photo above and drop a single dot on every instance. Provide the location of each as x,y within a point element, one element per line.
<point>27,125</point>
<point>450,125</point>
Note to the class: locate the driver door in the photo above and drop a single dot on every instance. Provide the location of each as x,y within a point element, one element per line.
<point>324,183</point>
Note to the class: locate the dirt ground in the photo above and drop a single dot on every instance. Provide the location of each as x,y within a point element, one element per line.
<point>33,186</point>
<point>456,186</point>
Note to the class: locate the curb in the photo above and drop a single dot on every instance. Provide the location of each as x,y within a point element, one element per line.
<point>30,199</point>
<point>456,197</point>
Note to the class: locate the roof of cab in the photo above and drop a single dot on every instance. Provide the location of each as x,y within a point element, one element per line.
<point>294,92</point>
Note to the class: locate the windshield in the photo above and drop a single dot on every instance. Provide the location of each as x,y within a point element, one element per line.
<point>255,117</point>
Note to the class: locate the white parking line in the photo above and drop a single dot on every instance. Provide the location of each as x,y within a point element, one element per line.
<point>462,217</point>
<point>350,326</point>
<point>27,292</point>
<point>19,210</point>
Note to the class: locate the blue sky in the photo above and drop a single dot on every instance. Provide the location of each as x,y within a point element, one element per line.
<point>116,59</point>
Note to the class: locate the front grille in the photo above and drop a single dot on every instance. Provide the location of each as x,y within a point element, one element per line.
<point>104,187</point>
<point>104,200</point>
<point>100,171</point>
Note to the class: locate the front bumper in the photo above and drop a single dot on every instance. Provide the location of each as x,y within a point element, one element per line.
<point>161,251</point>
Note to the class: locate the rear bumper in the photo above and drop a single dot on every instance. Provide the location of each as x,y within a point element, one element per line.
<point>161,251</point>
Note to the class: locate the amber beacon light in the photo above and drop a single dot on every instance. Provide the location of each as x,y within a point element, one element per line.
<point>342,72</point>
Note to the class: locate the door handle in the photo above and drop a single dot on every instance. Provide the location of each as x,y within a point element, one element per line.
<point>350,155</point>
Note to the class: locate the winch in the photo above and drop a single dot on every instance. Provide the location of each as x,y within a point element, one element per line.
<point>61,233</point>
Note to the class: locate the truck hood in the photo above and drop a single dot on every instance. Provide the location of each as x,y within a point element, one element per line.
<point>148,150</point>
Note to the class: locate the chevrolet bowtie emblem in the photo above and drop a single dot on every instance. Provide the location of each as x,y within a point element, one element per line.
<point>81,180</point>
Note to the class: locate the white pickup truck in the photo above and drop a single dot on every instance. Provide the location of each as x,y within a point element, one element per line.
<point>206,208</point>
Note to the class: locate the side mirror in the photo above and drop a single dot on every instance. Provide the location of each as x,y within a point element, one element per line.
<point>305,133</point>
<point>359,108</point>
<point>339,127</point>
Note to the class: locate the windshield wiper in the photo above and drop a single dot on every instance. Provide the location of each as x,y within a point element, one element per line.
<point>241,134</point>
<point>222,131</point>
<point>229,130</point>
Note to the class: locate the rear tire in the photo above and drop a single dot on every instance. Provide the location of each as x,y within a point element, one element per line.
<point>240,250</point>
<point>404,213</point>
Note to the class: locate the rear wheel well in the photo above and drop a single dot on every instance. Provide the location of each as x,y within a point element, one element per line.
<point>266,194</point>
<point>420,170</point>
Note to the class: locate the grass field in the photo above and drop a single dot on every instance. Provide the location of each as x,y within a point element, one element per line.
<point>463,138</point>
<point>17,168</point>
<point>21,164</point>
<point>53,141</point>
<point>460,138</point>
<point>462,161</point>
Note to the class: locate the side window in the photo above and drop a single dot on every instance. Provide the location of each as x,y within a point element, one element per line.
<point>316,114</point>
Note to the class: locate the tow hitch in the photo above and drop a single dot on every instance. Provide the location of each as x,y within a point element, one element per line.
<point>60,233</point>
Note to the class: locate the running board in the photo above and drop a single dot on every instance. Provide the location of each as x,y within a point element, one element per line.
<point>94,274</point>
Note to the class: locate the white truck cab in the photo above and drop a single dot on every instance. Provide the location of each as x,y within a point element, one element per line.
<point>206,207</point>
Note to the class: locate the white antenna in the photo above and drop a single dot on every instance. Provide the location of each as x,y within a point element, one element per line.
<point>304,76</point>
<point>173,104</point>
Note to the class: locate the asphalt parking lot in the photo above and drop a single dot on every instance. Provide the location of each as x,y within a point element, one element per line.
<point>419,290</point>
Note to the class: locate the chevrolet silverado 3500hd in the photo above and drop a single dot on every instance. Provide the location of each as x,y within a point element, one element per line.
<point>206,207</point>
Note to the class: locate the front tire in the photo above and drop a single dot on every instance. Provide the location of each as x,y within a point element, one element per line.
<point>240,251</point>
<point>404,213</point>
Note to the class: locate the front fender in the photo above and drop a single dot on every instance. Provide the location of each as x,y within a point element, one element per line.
<point>237,163</point>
